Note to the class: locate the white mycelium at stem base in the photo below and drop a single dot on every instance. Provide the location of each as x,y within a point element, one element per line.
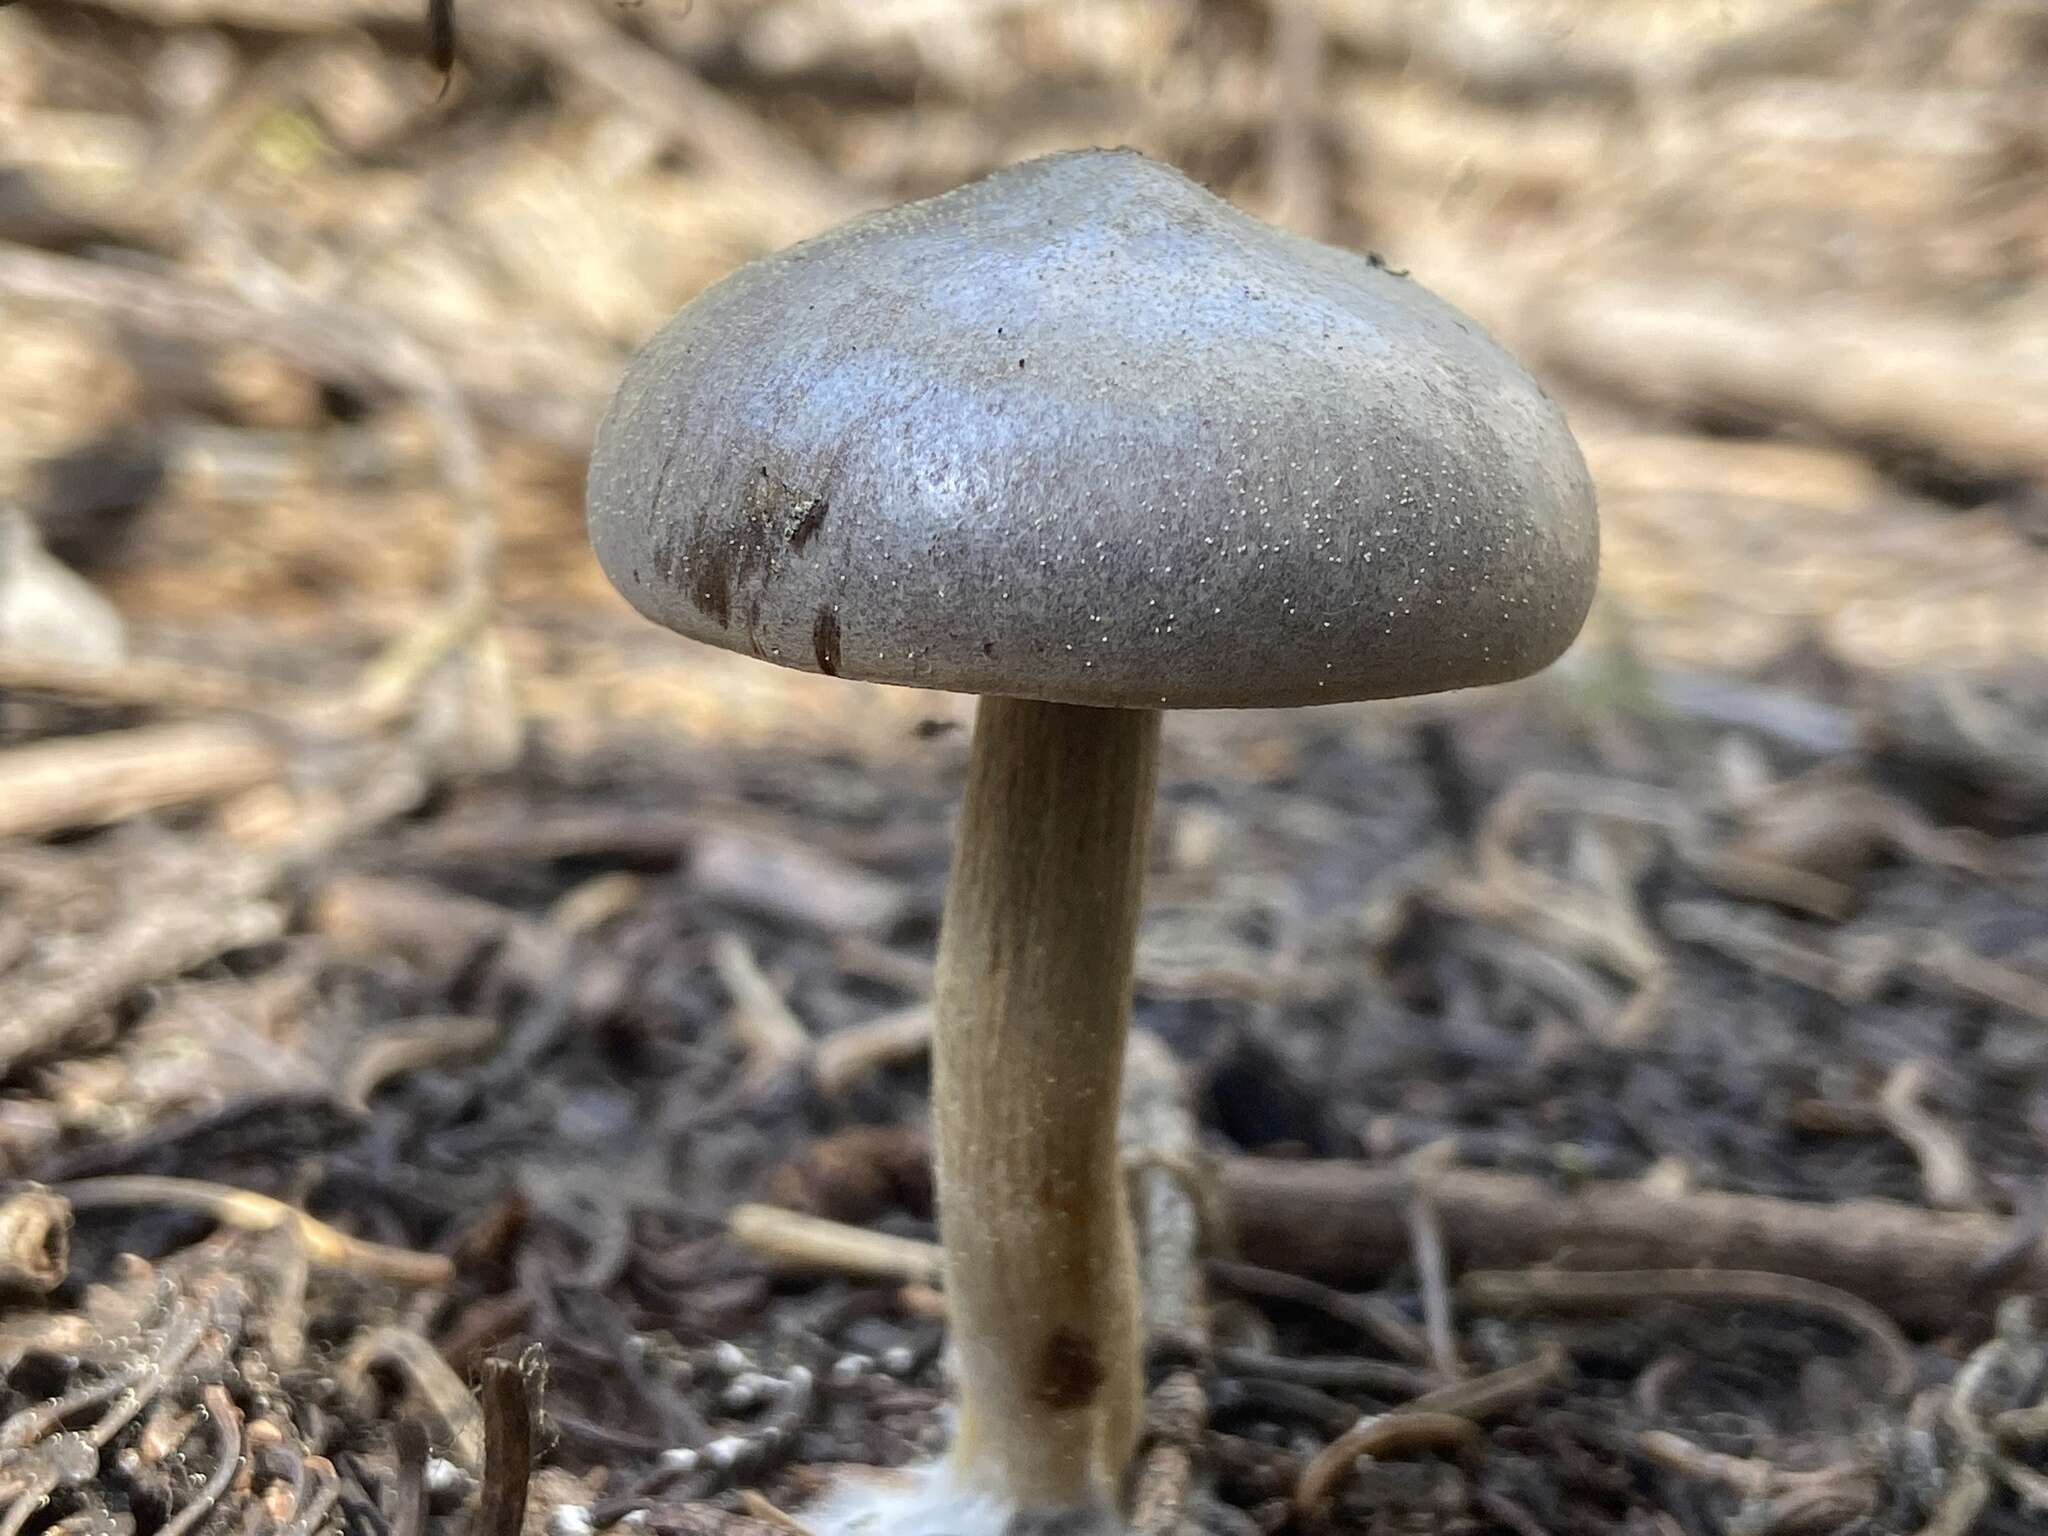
<point>1034,991</point>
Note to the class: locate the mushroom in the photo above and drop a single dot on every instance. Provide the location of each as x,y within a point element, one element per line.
<point>1086,441</point>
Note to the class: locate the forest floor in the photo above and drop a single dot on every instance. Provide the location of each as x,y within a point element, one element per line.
<point>1613,1103</point>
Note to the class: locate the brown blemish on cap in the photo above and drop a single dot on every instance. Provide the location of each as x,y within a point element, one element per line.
<point>825,641</point>
<point>728,555</point>
<point>808,522</point>
<point>1069,1371</point>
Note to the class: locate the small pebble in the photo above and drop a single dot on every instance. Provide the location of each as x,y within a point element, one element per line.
<point>443,1476</point>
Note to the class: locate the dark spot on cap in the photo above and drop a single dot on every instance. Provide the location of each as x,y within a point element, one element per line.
<point>807,524</point>
<point>825,641</point>
<point>733,559</point>
<point>711,581</point>
<point>1069,1371</point>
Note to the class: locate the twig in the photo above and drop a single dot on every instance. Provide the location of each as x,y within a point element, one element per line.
<point>1945,1168</point>
<point>1347,1222</point>
<point>252,1212</point>
<point>439,932</point>
<point>508,1448</point>
<point>811,1242</point>
<point>793,881</point>
<point>1580,1290</point>
<point>227,1451</point>
<point>1162,1161</point>
<point>284,1326</point>
<point>1426,1243</point>
<point>848,1056</point>
<point>1541,907</point>
<point>149,683</point>
<point>772,1036</point>
<point>315,1504</point>
<point>45,1002</point>
<point>440,1390</point>
<point>1441,1419</point>
<point>1176,1419</point>
<point>1535,63</point>
<point>126,1392</point>
<point>35,1240</point>
<point>1750,1476</point>
<point>410,1517</point>
<point>1968,1491</point>
<point>422,1044</point>
<point>1855,967</point>
<point>867,958</point>
<point>1381,1324</point>
<point>1846,368</point>
<point>108,776</point>
<point>1384,1434</point>
<point>1338,1374</point>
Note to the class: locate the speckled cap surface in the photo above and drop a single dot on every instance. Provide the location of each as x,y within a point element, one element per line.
<point>1081,431</point>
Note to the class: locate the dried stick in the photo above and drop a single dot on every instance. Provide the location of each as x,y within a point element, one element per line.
<point>109,776</point>
<point>1162,1162</point>
<point>848,1056</point>
<point>1440,1419</point>
<point>424,1043</point>
<point>1945,1169</point>
<point>148,683</point>
<point>772,1036</point>
<point>410,1517</point>
<point>1377,1321</point>
<point>1346,1222</point>
<point>1856,372</point>
<point>1534,62</point>
<point>1580,1290</point>
<point>44,1003</point>
<point>1855,967</point>
<point>227,1454</point>
<point>439,1388</point>
<point>35,1240</point>
<point>1426,1243</point>
<point>252,1212</point>
<point>811,1242</point>
<point>1750,1476</point>
<point>508,1449</point>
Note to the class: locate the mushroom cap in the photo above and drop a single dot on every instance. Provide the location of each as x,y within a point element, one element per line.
<point>1081,431</point>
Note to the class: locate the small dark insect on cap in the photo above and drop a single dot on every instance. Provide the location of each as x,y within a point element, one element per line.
<point>1081,431</point>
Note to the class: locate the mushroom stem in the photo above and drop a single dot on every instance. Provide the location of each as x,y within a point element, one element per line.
<point>1033,1000</point>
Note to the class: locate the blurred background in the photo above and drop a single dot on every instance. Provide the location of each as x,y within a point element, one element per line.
<point>1785,260</point>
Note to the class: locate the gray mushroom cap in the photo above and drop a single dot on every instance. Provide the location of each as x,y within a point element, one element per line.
<point>1081,431</point>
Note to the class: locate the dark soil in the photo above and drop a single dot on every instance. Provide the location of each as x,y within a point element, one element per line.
<point>579,1171</point>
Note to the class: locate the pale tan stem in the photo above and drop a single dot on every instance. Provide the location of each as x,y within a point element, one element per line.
<point>1033,999</point>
